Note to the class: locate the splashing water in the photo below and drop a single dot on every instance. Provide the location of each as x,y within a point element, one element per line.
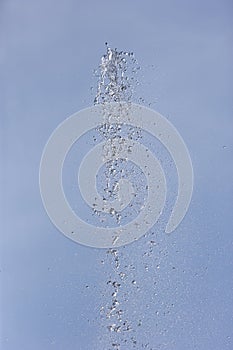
<point>117,76</point>
<point>117,80</point>
<point>116,83</point>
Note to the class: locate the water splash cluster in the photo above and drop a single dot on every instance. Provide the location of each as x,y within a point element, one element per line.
<point>117,79</point>
<point>121,311</point>
<point>117,76</point>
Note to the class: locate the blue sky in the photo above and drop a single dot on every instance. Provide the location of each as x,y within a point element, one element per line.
<point>51,287</point>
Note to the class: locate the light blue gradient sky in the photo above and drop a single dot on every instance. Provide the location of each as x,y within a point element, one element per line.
<point>48,52</point>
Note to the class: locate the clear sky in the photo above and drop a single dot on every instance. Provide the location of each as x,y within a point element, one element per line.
<point>52,288</point>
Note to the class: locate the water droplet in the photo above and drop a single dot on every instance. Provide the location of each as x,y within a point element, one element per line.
<point>112,211</point>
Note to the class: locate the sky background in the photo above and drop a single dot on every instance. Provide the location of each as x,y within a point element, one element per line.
<point>52,288</point>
